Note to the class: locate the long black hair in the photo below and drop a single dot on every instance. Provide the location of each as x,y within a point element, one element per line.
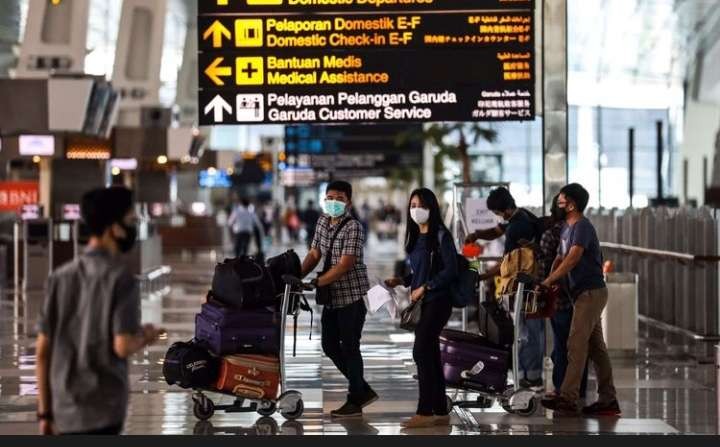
<point>429,201</point>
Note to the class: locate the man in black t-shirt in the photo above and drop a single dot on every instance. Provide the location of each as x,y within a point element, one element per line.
<point>521,227</point>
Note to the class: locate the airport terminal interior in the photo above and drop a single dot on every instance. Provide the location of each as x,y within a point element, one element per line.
<point>215,113</point>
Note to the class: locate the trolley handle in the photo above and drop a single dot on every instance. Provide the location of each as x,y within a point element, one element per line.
<point>297,282</point>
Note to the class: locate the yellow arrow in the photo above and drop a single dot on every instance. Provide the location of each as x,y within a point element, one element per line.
<point>217,30</point>
<point>214,71</point>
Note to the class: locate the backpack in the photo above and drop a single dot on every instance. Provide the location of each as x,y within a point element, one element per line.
<point>520,260</point>
<point>464,289</point>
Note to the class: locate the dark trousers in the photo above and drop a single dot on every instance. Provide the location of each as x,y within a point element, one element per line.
<point>561,332</point>
<point>103,431</point>
<point>341,333</point>
<point>426,353</point>
<point>242,243</point>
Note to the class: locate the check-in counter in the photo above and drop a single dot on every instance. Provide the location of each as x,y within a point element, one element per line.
<point>193,233</point>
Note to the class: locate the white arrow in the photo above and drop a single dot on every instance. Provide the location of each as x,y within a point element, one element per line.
<point>217,106</point>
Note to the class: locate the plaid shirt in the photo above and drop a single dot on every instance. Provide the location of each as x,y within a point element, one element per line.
<point>549,244</point>
<point>353,286</point>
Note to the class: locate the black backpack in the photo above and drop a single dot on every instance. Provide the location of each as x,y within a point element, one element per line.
<point>190,366</point>
<point>244,283</point>
<point>289,263</point>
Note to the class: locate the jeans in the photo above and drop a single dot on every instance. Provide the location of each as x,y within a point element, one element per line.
<point>242,243</point>
<point>426,353</point>
<point>586,340</point>
<point>532,349</point>
<point>341,333</point>
<point>561,332</point>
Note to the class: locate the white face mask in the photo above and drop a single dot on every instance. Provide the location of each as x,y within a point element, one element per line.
<point>420,215</point>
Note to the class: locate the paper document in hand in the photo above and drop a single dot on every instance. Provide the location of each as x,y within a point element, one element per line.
<point>378,296</point>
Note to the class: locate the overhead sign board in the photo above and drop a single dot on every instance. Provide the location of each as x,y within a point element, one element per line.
<point>359,61</point>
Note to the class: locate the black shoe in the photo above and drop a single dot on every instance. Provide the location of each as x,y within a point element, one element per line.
<point>349,410</point>
<point>603,409</point>
<point>366,398</point>
<point>537,383</point>
<point>560,405</point>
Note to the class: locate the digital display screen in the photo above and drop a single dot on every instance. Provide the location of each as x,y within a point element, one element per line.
<point>41,145</point>
<point>214,179</point>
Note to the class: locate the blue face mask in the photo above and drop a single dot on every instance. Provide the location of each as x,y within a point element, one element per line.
<point>334,208</point>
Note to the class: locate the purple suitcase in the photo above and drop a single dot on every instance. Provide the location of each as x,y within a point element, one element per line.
<point>225,331</point>
<point>461,351</point>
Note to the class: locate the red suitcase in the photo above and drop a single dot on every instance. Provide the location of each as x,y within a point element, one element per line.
<point>250,376</point>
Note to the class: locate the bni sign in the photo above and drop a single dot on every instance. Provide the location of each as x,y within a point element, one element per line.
<point>298,61</point>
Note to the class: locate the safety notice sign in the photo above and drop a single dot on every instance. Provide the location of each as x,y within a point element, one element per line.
<point>357,61</point>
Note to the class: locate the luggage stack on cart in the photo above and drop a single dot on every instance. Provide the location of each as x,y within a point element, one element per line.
<point>480,363</point>
<point>238,349</point>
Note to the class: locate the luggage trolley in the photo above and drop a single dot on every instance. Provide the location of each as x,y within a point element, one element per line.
<point>289,404</point>
<point>514,399</point>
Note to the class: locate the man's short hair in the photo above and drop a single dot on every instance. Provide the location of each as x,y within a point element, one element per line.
<point>102,207</point>
<point>577,194</point>
<point>500,200</point>
<point>340,186</point>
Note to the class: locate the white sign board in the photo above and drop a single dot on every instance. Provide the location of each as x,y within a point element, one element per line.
<point>478,216</point>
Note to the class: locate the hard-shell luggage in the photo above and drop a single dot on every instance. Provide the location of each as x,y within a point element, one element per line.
<point>190,366</point>
<point>250,376</point>
<point>225,330</point>
<point>496,325</point>
<point>244,283</point>
<point>470,360</point>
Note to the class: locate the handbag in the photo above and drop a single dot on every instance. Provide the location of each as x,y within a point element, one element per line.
<point>410,316</point>
<point>323,294</point>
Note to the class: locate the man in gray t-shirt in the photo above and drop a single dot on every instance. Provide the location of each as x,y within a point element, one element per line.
<point>90,325</point>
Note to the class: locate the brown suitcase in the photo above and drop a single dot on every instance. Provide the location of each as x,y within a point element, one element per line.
<point>250,376</point>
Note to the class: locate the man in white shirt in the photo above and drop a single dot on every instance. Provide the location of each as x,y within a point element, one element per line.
<point>243,222</point>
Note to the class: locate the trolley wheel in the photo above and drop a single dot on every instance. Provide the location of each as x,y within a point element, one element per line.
<point>267,408</point>
<point>292,428</point>
<point>297,413</point>
<point>204,409</point>
<point>266,426</point>
<point>449,404</point>
<point>528,411</point>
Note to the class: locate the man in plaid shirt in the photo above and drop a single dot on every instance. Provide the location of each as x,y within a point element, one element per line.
<point>344,317</point>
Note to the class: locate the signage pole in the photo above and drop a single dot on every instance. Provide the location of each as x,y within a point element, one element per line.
<point>554,96</point>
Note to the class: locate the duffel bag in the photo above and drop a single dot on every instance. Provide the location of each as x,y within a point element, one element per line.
<point>244,283</point>
<point>190,366</point>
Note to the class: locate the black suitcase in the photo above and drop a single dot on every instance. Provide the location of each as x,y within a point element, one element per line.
<point>190,366</point>
<point>471,361</point>
<point>244,283</point>
<point>495,324</point>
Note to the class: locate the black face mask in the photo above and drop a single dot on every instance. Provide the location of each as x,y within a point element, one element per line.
<point>561,213</point>
<point>126,244</point>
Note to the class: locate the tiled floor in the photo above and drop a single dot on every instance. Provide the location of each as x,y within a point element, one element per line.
<point>664,390</point>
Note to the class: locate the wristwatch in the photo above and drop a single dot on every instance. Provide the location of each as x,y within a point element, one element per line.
<point>427,287</point>
<point>46,416</point>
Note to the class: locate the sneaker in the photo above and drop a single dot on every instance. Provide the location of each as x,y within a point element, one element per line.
<point>349,410</point>
<point>526,383</point>
<point>603,409</point>
<point>367,398</point>
<point>560,405</point>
